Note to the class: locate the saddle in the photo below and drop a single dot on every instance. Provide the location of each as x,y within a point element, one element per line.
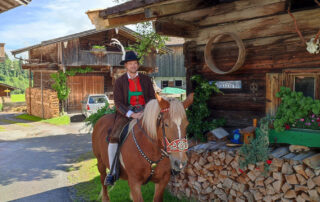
<point>123,137</point>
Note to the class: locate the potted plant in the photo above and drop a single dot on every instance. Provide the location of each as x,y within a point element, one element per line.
<point>297,120</point>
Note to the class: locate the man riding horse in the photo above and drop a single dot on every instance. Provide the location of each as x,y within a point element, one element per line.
<point>131,92</point>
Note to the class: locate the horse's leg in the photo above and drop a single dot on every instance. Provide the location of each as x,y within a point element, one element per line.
<point>159,189</point>
<point>135,191</point>
<point>102,170</point>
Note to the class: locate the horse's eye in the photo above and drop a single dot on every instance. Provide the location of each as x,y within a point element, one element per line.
<point>166,125</point>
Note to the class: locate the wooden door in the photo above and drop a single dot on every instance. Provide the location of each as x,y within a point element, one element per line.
<point>80,86</point>
<point>273,83</point>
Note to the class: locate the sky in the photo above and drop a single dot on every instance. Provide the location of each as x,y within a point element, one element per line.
<point>46,19</point>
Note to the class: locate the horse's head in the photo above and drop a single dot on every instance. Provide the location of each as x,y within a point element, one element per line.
<point>171,127</point>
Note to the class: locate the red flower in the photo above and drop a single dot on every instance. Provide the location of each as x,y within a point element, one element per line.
<point>287,127</point>
<point>241,171</point>
<point>269,162</point>
<point>319,124</point>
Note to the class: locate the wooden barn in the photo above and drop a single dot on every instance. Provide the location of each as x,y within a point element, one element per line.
<point>5,90</point>
<point>80,51</point>
<point>172,72</point>
<point>251,47</point>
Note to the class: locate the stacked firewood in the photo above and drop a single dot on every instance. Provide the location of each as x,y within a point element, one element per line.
<point>44,106</point>
<point>216,176</point>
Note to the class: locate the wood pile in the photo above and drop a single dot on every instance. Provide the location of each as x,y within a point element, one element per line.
<point>214,175</point>
<point>44,106</point>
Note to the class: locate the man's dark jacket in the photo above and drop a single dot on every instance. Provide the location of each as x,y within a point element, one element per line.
<point>121,90</point>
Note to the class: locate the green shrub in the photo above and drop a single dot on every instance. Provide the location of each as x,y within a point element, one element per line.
<point>93,118</point>
<point>199,112</point>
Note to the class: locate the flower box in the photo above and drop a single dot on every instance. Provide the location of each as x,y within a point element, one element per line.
<point>296,136</point>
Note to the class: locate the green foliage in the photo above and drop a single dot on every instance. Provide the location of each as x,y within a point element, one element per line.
<point>12,74</point>
<point>98,47</point>
<point>60,84</point>
<point>93,118</point>
<point>18,98</point>
<point>62,120</point>
<point>257,150</point>
<point>294,106</point>
<point>148,40</point>
<point>199,111</point>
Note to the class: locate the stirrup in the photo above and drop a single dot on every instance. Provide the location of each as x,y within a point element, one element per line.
<point>109,180</point>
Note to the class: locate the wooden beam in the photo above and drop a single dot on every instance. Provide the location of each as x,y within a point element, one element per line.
<point>171,9</point>
<point>101,23</point>
<point>176,28</point>
<point>52,66</point>
<point>244,14</point>
<point>233,8</point>
<point>308,21</point>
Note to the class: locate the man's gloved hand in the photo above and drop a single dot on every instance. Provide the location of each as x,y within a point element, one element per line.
<point>137,115</point>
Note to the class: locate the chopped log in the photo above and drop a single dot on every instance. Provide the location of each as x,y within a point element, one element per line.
<point>300,169</point>
<point>287,169</point>
<point>277,186</point>
<point>291,179</point>
<point>310,184</point>
<point>301,179</point>
<point>299,188</point>
<point>285,187</point>
<point>290,194</point>
<point>316,180</point>
<point>314,196</point>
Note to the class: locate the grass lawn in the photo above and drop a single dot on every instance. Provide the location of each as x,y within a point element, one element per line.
<point>18,98</point>
<point>85,175</point>
<point>0,107</point>
<point>62,120</point>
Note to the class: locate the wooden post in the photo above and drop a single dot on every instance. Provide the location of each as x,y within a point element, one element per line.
<point>30,90</point>
<point>41,95</point>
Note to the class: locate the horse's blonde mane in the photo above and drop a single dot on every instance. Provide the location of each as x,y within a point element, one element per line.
<point>151,113</point>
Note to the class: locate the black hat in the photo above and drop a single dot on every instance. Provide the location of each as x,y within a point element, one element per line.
<point>130,56</point>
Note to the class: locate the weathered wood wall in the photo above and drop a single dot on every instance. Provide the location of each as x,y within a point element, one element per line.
<point>272,46</point>
<point>47,81</point>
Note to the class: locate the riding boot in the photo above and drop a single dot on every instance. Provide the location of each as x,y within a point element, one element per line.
<point>112,149</point>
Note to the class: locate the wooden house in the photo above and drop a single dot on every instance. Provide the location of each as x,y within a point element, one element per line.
<point>172,72</point>
<point>272,49</point>
<point>5,90</point>
<point>78,51</point>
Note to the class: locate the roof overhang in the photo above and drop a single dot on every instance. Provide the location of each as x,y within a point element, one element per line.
<point>134,12</point>
<point>10,4</point>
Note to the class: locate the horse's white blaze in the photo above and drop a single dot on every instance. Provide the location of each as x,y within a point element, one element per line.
<point>178,123</point>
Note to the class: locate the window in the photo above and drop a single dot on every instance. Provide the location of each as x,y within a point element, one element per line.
<point>164,84</point>
<point>178,83</point>
<point>306,85</point>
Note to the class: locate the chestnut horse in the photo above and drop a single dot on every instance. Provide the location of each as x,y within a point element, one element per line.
<point>156,144</point>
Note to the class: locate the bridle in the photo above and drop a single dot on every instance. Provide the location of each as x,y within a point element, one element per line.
<point>178,145</point>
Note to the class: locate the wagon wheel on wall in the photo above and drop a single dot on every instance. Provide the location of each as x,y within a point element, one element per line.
<point>211,63</point>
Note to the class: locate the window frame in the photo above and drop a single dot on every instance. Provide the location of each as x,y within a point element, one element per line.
<point>164,81</point>
<point>289,76</point>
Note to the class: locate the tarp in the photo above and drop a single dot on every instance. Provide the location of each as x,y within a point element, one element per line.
<point>171,90</point>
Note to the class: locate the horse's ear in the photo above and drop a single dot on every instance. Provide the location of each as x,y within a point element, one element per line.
<point>164,104</point>
<point>188,101</point>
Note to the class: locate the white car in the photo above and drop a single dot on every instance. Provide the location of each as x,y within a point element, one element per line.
<point>92,103</point>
